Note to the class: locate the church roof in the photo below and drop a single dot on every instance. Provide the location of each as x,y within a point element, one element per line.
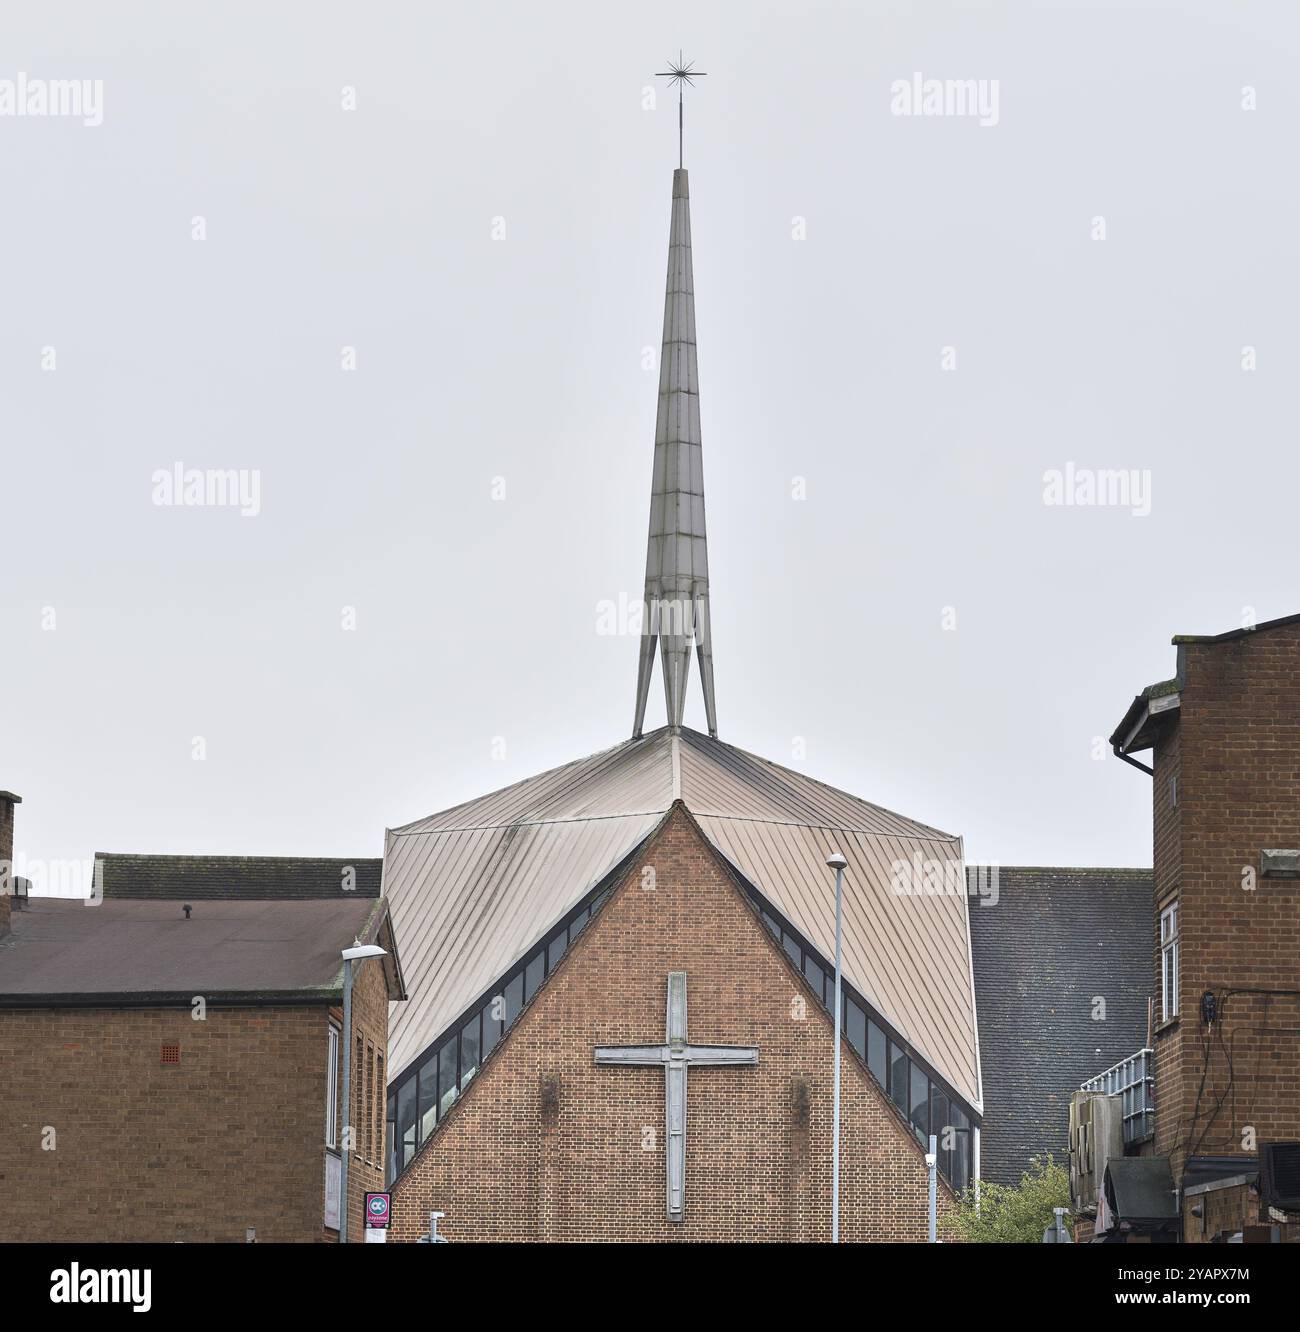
<point>474,887</point>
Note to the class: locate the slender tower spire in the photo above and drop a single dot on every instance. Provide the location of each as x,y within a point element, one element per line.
<point>677,558</point>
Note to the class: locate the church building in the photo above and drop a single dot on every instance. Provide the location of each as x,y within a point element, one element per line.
<point>621,971</point>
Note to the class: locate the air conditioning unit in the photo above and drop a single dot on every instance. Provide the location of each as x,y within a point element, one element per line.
<point>1279,1175</point>
<point>1096,1134</point>
<point>1083,1180</point>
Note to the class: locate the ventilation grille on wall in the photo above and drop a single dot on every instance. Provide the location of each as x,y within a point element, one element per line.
<point>1279,864</point>
<point>1279,1175</point>
<point>171,1054</point>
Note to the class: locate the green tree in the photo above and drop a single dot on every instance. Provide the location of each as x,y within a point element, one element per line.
<point>1011,1215</point>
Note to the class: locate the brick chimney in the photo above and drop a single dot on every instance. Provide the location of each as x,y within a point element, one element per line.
<point>7,802</point>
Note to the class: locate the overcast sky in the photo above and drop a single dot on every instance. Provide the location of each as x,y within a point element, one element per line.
<point>488,230</point>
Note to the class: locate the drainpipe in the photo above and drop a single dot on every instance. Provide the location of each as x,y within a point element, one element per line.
<point>1142,767</point>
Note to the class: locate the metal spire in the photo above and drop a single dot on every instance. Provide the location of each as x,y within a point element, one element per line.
<point>677,560</point>
<point>681,74</point>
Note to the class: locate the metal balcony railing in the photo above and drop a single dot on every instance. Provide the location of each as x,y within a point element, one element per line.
<point>1132,1079</point>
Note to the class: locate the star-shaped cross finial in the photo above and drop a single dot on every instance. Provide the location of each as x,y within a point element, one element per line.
<point>681,73</point>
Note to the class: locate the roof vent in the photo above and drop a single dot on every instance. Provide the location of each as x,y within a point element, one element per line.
<point>171,1054</point>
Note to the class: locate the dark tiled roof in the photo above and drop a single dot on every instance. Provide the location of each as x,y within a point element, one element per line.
<point>74,951</point>
<point>1283,622</point>
<point>1055,939</point>
<point>191,878</point>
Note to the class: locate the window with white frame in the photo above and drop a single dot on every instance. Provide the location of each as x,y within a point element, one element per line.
<point>1169,962</point>
<point>332,1090</point>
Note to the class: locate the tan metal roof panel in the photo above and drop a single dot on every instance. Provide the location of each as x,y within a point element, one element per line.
<point>473,888</point>
<point>469,905</point>
<point>907,954</point>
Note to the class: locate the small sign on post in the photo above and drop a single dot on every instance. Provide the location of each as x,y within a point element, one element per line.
<point>333,1177</point>
<point>379,1208</point>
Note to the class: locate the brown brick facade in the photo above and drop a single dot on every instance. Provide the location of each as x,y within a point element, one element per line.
<point>546,1145</point>
<point>105,1141</point>
<point>7,802</point>
<point>369,1079</point>
<point>1234,746</point>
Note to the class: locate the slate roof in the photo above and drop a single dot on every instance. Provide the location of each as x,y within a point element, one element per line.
<point>473,888</point>
<point>1055,939</point>
<point>193,878</point>
<point>69,951</point>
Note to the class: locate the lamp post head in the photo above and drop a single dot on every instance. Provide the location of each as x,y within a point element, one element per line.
<point>836,861</point>
<point>358,951</point>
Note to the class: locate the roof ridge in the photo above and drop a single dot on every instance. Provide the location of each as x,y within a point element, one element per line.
<point>400,830</point>
<point>825,786</point>
<point>929,836</point>
<point>1062,869</point>
<point>529,823</point>
<point>218,855</point>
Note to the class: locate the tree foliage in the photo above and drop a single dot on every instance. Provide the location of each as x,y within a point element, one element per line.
<point>1011,1215</point>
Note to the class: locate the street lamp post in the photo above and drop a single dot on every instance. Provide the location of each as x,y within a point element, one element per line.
<point>357,953</point>
<point>837,863</point>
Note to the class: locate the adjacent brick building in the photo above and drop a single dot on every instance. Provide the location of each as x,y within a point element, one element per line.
<point>544,1144</point>
<point>165,1062</point>
<point>1224,735</point>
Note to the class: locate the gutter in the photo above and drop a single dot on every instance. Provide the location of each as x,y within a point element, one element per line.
<point>1142,767</point>
<point>1232,1182</point>
<point>145,999</point>
<point>1143,710</point>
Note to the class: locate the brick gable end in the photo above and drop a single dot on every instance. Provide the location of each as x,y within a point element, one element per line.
<point>546,1145</point>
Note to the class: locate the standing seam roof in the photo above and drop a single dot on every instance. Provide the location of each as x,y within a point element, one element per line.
<point>473,888</point>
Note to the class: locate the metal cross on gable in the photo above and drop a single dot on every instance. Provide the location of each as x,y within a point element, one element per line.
<point>676,1056</point>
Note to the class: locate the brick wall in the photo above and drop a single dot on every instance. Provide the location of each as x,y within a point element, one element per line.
<point>369,1079</point>
<point>231,1136</point>
<point>545,1145</point>
<point>1167,863</point>
<point>1236,749</point>
<point>1221,1209</point>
